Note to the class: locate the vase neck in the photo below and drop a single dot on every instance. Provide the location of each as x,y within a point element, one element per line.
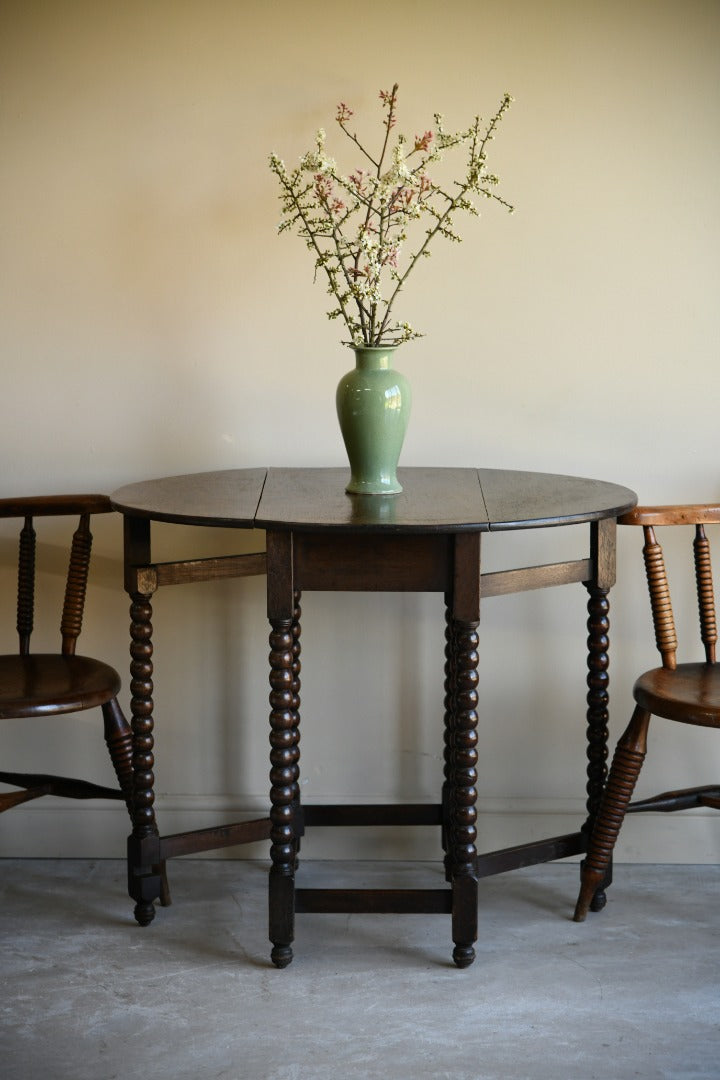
<point>374,357</point>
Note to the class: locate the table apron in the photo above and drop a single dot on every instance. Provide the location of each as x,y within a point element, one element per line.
<point>374,562</point>
<point>402,563</point>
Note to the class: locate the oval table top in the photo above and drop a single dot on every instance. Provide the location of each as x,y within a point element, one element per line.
<point>432,500</point>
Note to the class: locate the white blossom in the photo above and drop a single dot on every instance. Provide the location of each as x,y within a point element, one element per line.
<point>360,226</point>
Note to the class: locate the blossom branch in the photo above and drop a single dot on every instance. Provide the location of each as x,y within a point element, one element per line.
<point>357,225</point>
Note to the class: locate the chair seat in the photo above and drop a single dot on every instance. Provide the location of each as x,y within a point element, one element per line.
<point>689,694</point>
<point>48,684</point>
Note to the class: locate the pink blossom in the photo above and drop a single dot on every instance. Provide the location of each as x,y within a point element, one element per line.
<point>323,187</point>
<point>358,179</point>
<point>422,142</point>
<point>401,199</point>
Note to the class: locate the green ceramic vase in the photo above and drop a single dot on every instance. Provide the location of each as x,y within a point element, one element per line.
<point>373,406</point>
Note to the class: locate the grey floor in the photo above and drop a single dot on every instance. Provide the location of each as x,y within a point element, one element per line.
<point>88,995</point>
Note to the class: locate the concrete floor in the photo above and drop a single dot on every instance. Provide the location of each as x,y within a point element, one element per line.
<point>88,995</point>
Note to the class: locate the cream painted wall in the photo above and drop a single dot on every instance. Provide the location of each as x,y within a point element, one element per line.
<point>151,322</point>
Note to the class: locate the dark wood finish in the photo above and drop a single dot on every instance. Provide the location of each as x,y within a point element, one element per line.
<point>44,784</point>
<point>226,499</point>
<point>396,562</point>
<point>529,500</point>
<point>686,799</point>
<point>376,901</point>
<point>538,851</point>
<point>215,838</point>
<point>432,500</point>
<point>470,500</point>
<point>460,830</point>
<point>462,595</point>
<point>439,561</point>
<point>320,538</point>
<point>186,500</point>
<point>145,879</point>
<point>191,570</point>
<point>34,685</point>
<point>688,693</point>
<point>54,506</point>
<point>48,684</point>
<point>505,582</point>
<point>284,774</point>
<point>448,732</point>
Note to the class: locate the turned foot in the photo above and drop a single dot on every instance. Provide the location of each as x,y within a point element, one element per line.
<point>144,913</point>
<point>588,892</point>
<point>281,955</point>
<point>599,900</point>
<point>463,955</point>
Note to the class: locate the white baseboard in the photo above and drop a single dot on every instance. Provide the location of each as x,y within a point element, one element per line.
<point>61,828</point>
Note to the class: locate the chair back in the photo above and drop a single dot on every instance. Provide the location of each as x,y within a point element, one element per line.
<point>74,601</point>
<point>650,517</point>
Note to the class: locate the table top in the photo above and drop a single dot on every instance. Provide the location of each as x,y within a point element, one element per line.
<point>432,500</point>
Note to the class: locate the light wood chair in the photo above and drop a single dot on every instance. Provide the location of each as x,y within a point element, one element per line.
<point>36,685</point>
<point>688,693</point>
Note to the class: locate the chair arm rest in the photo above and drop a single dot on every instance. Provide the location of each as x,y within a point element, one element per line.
<point>690,514</point>
<point>54,505</point>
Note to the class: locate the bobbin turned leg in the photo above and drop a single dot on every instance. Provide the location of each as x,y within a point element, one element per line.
<point>449,723</point>
<point>461,699</point>
<point>598,625</point>
<point>146,879</point>
<point>119,741</point>
<point>284,773</point>
<point>626,765</point>
<point>463,792</point>
<point>297,809</point>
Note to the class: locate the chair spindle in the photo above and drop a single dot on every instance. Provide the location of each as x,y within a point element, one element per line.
<point>26,586</point>
<point>706,594</point>
<point>75,589</point>
<point>662,612</point>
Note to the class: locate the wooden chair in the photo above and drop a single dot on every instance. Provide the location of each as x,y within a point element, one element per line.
<point>688,693</point>
<point>49,684</point>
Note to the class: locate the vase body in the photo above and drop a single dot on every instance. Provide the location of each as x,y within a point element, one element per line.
<point>373,406</point>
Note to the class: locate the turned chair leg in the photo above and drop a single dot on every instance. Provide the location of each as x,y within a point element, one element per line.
<point>118,737</point>
<point>625,769</point>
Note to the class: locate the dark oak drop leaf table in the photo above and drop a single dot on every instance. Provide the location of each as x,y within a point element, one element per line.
<point>427,539</point>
